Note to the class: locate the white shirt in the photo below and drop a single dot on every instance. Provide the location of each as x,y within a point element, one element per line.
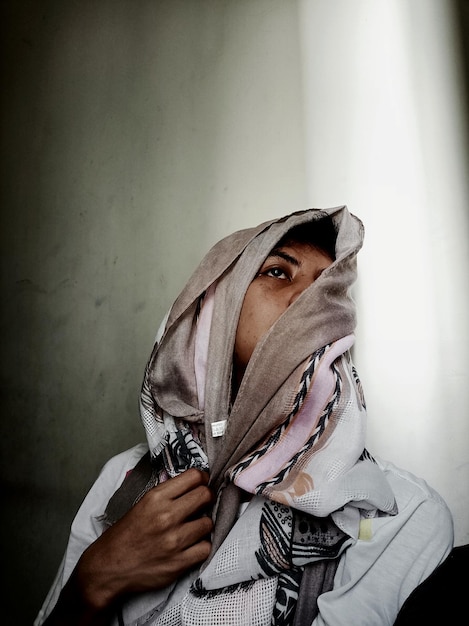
<point>392,556</point>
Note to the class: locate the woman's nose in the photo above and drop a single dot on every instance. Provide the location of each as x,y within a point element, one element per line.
<point>296,291</point>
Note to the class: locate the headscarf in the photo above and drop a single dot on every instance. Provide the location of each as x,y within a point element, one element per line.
<point>294,436</point>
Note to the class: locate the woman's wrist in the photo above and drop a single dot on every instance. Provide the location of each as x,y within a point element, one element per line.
<point>83,601</point>
<point>91,583</point>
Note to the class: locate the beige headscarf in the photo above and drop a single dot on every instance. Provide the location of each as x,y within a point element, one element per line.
<point>325,312</point>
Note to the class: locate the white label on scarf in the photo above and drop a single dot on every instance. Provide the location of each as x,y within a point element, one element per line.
<point>218,428</point>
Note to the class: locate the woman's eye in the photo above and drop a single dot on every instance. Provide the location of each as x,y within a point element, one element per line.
<point>277,272</point>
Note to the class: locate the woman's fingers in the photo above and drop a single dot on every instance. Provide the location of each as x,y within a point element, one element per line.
<point>184,495</point>
<point>194,531</point>
<point>183,483</point>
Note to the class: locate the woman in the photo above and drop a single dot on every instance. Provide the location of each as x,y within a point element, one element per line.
<point>254,500</point>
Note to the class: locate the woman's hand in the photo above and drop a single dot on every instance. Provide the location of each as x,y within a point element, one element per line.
<point>159,539</point>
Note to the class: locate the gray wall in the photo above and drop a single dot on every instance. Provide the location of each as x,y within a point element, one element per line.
<point>134,135</point>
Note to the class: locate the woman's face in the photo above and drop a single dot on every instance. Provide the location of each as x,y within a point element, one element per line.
<point>284,275</point>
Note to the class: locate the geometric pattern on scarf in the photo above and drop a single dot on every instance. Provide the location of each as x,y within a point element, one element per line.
<point>270,542</point>
<point>290,540</point>
<point>183,449</point>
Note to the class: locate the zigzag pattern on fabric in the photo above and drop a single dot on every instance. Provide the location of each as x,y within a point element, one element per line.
<point>320,428</point>
<point>274,437</point>
<point>298,403</point>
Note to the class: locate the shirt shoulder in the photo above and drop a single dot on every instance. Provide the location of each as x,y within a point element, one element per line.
<point>393,555</point>
<point>109,479</point>
<point>86,526</point>
<point>116,468</point>
<point>411,490</point>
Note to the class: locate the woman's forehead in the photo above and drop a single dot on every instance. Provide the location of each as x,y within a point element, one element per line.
<point>320,234</point>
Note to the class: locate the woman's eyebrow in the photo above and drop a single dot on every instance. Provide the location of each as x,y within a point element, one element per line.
<point>285,256</point>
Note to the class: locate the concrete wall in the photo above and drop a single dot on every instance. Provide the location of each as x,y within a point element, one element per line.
<point>135,135</point>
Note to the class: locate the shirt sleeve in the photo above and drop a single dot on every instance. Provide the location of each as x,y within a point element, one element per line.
<point>86,526</point>
<point>392,556</point>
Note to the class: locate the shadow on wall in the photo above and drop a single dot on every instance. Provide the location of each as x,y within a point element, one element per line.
<point>462,26</point>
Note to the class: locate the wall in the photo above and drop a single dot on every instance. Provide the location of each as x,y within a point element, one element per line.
<point>133,140</point>
<point>134,135</point>
<point>386,133</point>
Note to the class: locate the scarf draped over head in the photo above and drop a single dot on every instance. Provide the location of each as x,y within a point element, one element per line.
<point>323,314</point>
<point>294,436</point>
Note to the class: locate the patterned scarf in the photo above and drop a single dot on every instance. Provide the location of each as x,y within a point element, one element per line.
<point>294,438</point>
